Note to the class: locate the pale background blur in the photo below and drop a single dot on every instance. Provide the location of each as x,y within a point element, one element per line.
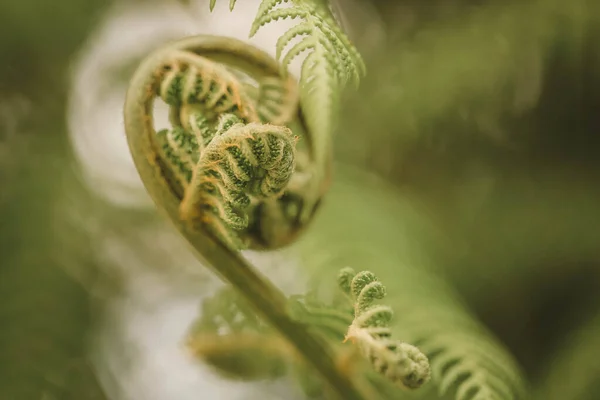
<point>483,113</point>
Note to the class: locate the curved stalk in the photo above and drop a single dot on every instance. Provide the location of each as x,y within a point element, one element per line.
<point>266,299</point>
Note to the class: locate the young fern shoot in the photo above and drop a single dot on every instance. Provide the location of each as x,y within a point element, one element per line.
<point>224,173</point>
<point>401,363</point>
<point>248,157</point>
<point>230,157</point>
<point>331,62</point>
<point>236,162</point>
<point>230,338</point>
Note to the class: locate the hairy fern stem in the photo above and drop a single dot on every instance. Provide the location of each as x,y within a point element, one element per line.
<point>207,186</point>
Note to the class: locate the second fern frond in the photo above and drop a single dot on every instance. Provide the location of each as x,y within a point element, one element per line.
<point>400,362</point>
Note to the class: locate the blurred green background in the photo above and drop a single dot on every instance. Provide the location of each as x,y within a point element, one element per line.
<point>485,113</point>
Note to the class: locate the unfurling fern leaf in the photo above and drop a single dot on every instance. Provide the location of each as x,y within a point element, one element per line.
<point>229,337</point>
<point>466,360</point>
<point>230,157</point>
<point>242,160</point>
<point>400,362</point>
<point>242,188</point>
<point>331,62</point>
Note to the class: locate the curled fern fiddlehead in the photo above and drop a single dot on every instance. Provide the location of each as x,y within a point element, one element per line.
<point>238,161</point>
<point>230,338</point>
<point>164,165</point>
<point>400,362</point>
<point>331,62</point>
<point>229,158</point>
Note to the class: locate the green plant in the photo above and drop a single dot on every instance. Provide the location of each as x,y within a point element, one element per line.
<point>481,117</point>
<point>245,165</point>
<point>230,193</point>
<point>229,337</point>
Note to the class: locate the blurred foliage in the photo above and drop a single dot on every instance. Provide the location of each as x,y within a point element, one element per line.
<point>45,314</point>
<point>483,114</point>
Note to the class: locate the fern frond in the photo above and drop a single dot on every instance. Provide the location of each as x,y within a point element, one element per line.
<point>318,32</point>
<point>229,337</point>
<point>466,360</point>
<point>277,100</point>
<point>400,362</point>
<point>239,186</point>
<point>331,62</point>
<point>195,80</point>
<point>229,151</point>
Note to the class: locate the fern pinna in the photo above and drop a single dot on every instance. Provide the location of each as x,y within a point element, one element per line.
<point>238,168</point>
<point>230,338</point>
<point>330,63</point>
<point>229,156</point>
<point>467,362</point>
<point>199,90</point>
<point>400,362</point>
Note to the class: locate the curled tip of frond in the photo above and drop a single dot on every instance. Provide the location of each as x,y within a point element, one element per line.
<point>345,279</point>
<point>361,280</point>
<point>228,152</point>
<point>416,367</point>
<point>331,62</point>
<point>370,292</point>
<point>242,160</point>
<point>399,362</point>
<point>375,316</point>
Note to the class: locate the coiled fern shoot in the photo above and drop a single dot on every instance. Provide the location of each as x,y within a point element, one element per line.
<point>229,337</point>
<point>229,168</point>
<point>466,361</point>
<point>330,63</point>
<point>227,173</point>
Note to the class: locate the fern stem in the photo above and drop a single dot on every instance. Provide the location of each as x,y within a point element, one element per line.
<point>265,298</point>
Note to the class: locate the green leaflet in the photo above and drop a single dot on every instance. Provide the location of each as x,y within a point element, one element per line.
<point>330,63</point>
<point>230,338</point>
<point>465,358</point>
<point>229,156</point>
<point>242,157</point>
<point>399,362</point>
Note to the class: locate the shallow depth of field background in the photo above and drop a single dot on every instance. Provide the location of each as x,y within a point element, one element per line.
<point>482,114</point>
